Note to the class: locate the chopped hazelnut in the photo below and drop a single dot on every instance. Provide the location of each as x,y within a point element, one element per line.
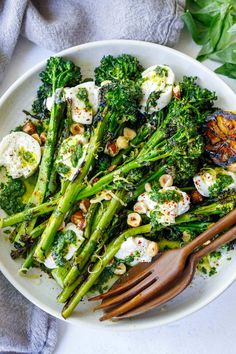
<point>29,128</point>
<point>140,208</point>
<point>166,181</point>
<point>84,205</point>
<point>152,249</point>
<point>134,220</point>
<point>129,134</point>
<point>76,129</point>
<point>122,142</point>
<point>79,220</point>
<point>111,149</point>
<point>196,197</point>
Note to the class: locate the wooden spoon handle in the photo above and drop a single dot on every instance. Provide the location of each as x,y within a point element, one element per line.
<point>218,227</point>
<point>219,241</point>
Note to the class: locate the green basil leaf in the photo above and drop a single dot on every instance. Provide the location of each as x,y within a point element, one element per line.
<point>205,52</point>
<point>225,37</point>
<point>227,54</point>
<point>227,69</point>
<point>197,31</point>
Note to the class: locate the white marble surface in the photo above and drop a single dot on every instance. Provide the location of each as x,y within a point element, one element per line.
<point>209,331</point>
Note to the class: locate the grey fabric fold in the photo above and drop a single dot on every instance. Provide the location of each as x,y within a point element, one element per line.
<point>24,328</point>
<point>56,25</point>
<point>59,24</point>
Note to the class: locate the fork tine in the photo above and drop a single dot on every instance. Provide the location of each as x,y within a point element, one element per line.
<point>134,302</point>
<point>168,295</point>
<point>126,282</point>
<point>115,300</point>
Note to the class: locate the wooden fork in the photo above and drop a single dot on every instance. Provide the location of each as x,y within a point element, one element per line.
<point>143,285</point>
<point>182,281</point>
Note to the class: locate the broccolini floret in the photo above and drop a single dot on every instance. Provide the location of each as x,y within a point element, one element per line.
<point>123,67</point>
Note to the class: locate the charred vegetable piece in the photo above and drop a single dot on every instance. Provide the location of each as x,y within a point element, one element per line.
<point>220,132</point>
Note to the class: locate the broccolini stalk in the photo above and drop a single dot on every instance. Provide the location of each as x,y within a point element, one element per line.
<point>68,290</point>
<point>63,134</point>
<point>29,214</point>
<point>35,233</point>
<point>81,260</point>
<point>109,254</point>
<point>90,220</point>
<point>58,74</point>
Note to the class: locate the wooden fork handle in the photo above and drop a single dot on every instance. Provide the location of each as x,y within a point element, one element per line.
<point>219,226</point>
<point>219,241</point>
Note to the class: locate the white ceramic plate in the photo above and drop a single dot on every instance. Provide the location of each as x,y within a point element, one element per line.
<point>20,95</point>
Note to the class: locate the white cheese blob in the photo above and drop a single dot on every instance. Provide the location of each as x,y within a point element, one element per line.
<point>157,88</point>
<point>50,261</point>
<point>167,211</point>
<point>80,112</point>
<point>207,179</point>
<point>20,154</point>
<point>71,155</point>
<point>134,251</point>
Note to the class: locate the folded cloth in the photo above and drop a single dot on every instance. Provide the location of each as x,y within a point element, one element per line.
<point>56,25</point>
<point>24,328</point>
<point>59,24</point>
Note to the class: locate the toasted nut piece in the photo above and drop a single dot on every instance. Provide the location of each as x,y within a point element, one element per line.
<point>176,92</point>
<point>43,137</point>
<point>134,220</point>
<point>37,138</point>
<point>148,187</point>
<point>120,269</point>
<point>76,129</point>
<point>111,149</point>
<point>79,220</point>
<point>152,249</point>
<point>84,205</point>
<point>29,128</point>
<point>95,180</point>
<point>196,197</point>
<point>140,208</point>
<point>122,142</point>
<point>166,181</point>
<point>111,168</point>
<point>129,134</point>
